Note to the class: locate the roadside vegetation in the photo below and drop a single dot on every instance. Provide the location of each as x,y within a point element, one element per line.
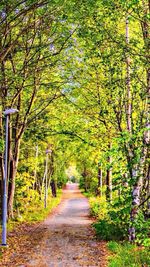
<point>112,224</point>
<point>34,212</point>
<point>124,255</point>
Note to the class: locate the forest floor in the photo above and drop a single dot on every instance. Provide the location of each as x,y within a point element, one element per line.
<point>64,239</point>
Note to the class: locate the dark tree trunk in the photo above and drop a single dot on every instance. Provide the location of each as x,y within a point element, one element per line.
<point>12,175</point>
<point>109,185</point>
<point>109,177</point>
<point>53,188</point>
<point>99,189</point>
<point>11,188</point>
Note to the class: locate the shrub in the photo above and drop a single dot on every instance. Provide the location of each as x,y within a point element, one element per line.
<point>98,207</point>
<point>107,230</point>
<point>114,220</point>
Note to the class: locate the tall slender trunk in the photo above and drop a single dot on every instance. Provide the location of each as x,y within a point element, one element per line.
<point>138,174</point>
<point>100,183</point>
<point>137,185</point>
<point>53,188</point>
<point>51,167</point>
<point>109,185</point>
<point>46,176</point>
<point>42,184</point>
<point>35,169</point>
<point>128,81</point>
<point>12,176</point>
<point>52,182</point>
<point>109,178</point>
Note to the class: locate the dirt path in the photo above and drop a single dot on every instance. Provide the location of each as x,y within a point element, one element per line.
<point>64,239</point>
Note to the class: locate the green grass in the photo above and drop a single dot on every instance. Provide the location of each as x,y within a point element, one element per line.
<point>86,194</point>
<point>35,212</point>
<point>128,255</point>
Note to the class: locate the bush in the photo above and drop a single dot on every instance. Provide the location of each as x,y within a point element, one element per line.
<point>98,207</point>
<point>114,220</point>
<point>108,230</point>
<point>142,229</point>
<point>93,185</point>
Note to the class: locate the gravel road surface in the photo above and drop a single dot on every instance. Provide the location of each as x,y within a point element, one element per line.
<point>64,239</point>
<point>69,239</point>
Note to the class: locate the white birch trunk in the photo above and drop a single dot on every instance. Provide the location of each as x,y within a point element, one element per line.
<point>35,170</point>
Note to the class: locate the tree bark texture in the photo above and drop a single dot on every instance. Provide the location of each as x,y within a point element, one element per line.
<point>53,188</point>
<point>100,183</point>
<point>109,178</point>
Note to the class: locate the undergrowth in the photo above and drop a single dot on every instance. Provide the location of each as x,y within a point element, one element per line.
<point>127,255</point>
<point>38,212</point>
<point>35,211</point>
<point>112,223</point>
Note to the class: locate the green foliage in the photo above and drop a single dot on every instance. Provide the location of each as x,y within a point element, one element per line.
<point>33,209</point>
<point>1,145</point>
<point>108,230</point>
<point>36,211</point>
<point>64,66</point>
<point>82,183</point>
<point>125,255</point>
<point>93,185</point>
<point>142,226</point>
<point>98,207</point>
<point>113,220</point>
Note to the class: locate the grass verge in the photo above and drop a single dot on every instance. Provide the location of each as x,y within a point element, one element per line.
<point>35,212</point>
<point>128,255</point>
<point>112,226</point>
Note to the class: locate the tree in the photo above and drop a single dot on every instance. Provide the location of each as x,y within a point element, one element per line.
<point>30,46</point>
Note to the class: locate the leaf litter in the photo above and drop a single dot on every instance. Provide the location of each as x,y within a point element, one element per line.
<point>65,239</point>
